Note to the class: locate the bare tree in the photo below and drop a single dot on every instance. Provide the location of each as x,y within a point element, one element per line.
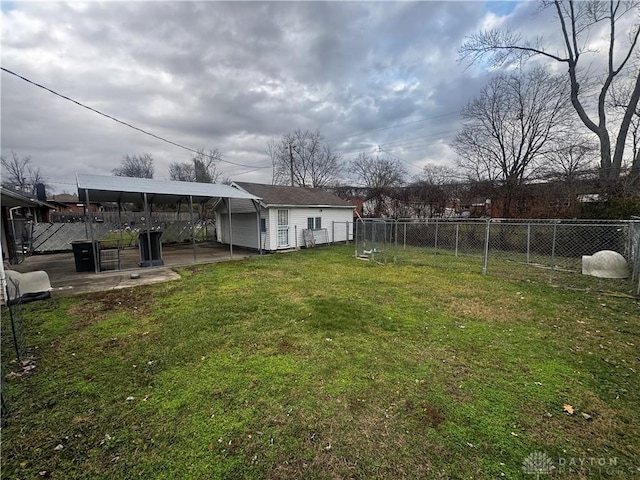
<point>20,174</point>
<point>569,158</point>
<point>433,190</point>
<point>381,176</point>
<point>182,172</point>
<point>202,168</point>
<point>434,174</point>
<point>139,166</point>
<point>620,100</point>
<point>577,21</point>
<point>508,126</point>
<point>303,159</point>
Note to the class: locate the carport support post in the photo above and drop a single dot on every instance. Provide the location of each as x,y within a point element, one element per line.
<point>193,231</point>
<point>230,229</point>
<point>121,228</point>
<point>96,258</point>
<point>147,214</point>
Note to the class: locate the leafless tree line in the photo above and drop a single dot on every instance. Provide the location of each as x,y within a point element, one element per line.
<point>579,24</point>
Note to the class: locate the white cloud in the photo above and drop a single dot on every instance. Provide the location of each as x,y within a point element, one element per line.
<point>232,75</point>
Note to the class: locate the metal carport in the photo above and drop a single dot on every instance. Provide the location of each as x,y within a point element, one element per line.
<point>100,188</point>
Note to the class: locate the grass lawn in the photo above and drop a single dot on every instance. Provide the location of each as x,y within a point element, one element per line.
<point>317,365</point>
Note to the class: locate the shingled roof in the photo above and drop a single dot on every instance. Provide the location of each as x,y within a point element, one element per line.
<point>292,196</point>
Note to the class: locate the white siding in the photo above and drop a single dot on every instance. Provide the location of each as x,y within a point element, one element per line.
<point>245,229</point>
<point>298,220</point>
<point>245,226</point>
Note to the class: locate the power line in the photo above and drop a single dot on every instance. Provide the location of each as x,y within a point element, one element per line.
<point>394,126</point>
<point>124,123</point>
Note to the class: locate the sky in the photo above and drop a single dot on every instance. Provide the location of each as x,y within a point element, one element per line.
<point>376,78</point>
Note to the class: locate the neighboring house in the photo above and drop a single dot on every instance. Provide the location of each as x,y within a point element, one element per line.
<point>286,215</point>
<point>68,203</point>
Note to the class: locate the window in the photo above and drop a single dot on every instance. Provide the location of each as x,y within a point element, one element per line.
<point>263,225</point>
<point>314,223</point>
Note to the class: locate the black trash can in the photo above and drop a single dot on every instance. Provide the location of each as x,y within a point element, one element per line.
<point>150,257</point>
<point>83,254</point>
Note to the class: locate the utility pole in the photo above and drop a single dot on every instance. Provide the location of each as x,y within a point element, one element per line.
<point>291,161</point>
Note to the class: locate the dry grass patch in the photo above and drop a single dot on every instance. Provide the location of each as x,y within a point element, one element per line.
<point>499,308</point>
<point>96,307</point>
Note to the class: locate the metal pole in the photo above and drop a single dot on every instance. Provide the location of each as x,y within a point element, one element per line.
<point>435,243</point>
<point>528,240</point>
<point>230,229</point>
<point>94,245</point>
<point>553,251</point>
<point>404,237</point>
<point>485,258</point>
<point>395,243</point>
<point>147,214</point>
<point>193,230</point>
<point>457,236</point>
<point>121,234</point>
<point>291,161</point>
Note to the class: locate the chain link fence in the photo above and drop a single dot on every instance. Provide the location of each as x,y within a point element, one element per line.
<point>13,348</point>
<point>541,250</point>
<point>57,237</point>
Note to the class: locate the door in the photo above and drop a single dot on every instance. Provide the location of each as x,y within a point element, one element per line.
<point>283,228</point>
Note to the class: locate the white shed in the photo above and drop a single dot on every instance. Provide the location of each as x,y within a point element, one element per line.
<point>288,217</point>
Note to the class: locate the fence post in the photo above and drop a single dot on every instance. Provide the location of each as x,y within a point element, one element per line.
<point>333,232</point>
<point>457,236</point>
<point>485,257</point>
<point>553,251</point>
<point>395,242</point>
<point>435,243</point>
<point>404,237</point>
<point>528,240</point>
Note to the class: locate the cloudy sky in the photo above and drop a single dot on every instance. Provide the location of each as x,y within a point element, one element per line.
<point>232,75</point>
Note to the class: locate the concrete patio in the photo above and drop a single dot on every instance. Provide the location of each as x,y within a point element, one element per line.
<point>65,280</point>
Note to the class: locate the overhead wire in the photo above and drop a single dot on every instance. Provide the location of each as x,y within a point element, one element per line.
<point>393,126</point>
<point>110,117</point>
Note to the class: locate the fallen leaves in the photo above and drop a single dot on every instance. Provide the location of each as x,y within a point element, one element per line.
<point>26,366</point>
<point>568,408</point>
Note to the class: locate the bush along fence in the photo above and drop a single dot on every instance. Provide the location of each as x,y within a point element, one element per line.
<point>535,250</point>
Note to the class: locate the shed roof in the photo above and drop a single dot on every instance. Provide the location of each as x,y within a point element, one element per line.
<point>282,195</point>
<point>102,188</point>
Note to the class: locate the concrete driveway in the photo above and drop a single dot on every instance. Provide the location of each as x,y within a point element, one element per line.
<point>65,280</point>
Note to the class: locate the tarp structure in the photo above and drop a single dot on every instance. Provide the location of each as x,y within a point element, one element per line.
<point>100,189</point>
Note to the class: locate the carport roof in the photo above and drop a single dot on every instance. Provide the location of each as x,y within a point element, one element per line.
<point>102,188</point>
